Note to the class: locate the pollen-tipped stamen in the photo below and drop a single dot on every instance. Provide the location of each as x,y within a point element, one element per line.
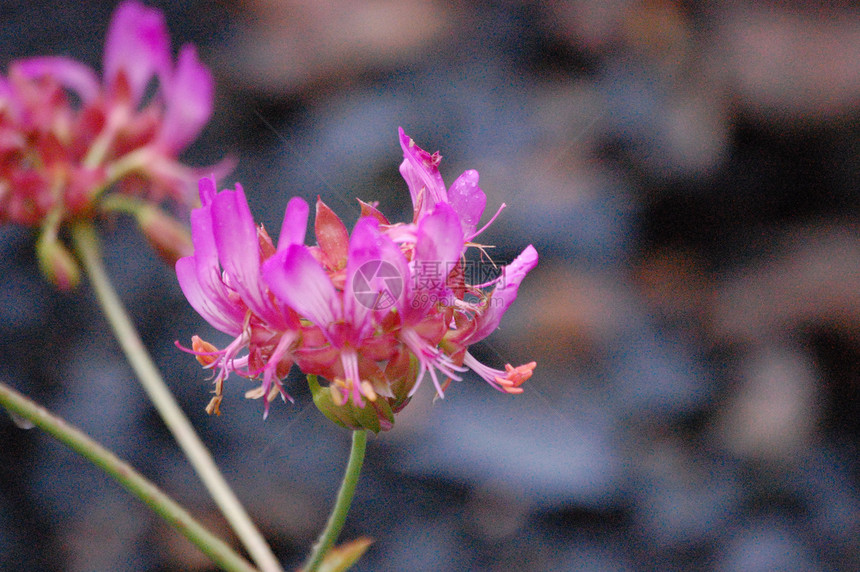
<point>430,359</point>
<point>508,380</point>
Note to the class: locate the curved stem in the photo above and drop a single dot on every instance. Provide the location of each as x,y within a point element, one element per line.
<point>176,516</point>
<point>341,507</point>
<point>86,244</point>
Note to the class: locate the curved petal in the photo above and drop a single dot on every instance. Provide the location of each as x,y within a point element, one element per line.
<point>439,240</point>
<point>297,279</point>
<point>504,294</point>
<point>295,224</point>
<point>207,189</point>
<point>362,286</point>
<point>202,238</point>
<point>189,95</point>
<point>208,304</point>
<point>239,251</point>
<point>138,45</point>
<point>468,201</point>
<point>71,74</point>
<point>207,269</point>
<point>420,170</point>
<point>376,274</point>
<point>398,271</point>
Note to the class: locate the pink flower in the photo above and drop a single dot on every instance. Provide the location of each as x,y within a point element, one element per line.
<point>467,200</point>
<point>67,136</point>
<point>222,281</point>
<point>372,311</point>
<point>348,325</point>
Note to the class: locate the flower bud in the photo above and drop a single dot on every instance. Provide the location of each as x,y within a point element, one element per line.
<point>57,263</point>
<point>375,415</point>
<point>342,557</point>
<point>170,239</point>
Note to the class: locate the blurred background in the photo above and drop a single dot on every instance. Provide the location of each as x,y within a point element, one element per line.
<point>688,172</point>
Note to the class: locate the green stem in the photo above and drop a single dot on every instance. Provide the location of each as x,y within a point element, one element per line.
<point>123,203</point>
<point>167,508</point>
<point>87,246</point>
<point>341,507</point>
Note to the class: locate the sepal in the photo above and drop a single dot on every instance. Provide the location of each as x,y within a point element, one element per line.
<point>375,416</point>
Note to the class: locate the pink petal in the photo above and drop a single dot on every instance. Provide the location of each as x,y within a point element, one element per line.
<point>208,272</point>
<point>202,299</point>
<point>205,290</point>
<point>373,284</point>
<point>205,250</point>
<point>393,255</point>
<point>138,45</point>
<point>207,189</point>
<point>468,201</point>
<point>71,74</point>
<point>239,251</point>
<point>419,169</point>
<point>189,95</point>
<point>439,239</point>
<point>504,294</point>
<point>297,279</point>
<point>295,224</point>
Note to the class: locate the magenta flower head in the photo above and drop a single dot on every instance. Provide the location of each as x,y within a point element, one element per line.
<point>373,311</point>
<point>68,137</point>
<point>222,281</point>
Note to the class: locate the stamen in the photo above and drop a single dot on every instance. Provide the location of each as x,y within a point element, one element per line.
<point>483,228</point>
<point>368,391</point>
<point>336,395</point>
<point>203,351</point>
<point>508,381</point>
<point>255,393</point>
<point>214,405</point>
<point>430,359</point>
<point>516,376</point>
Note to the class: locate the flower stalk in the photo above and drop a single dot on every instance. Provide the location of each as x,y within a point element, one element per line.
<point>176,516</point>
<point>87,247</point>
<point>341,507</point>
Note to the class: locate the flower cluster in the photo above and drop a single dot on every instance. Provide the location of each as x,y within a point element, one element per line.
<point>67,136</point>
<point>367,310</point>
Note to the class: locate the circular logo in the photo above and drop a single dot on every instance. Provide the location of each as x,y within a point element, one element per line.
<point>377,285</point>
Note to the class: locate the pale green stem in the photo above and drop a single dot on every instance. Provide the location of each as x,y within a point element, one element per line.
<point>86,244</point>
<point>120,168</point>
<point>123,203</point>
<point>341,507</point>
<point>128,163</point>
<point>167,508</point>
<point>100,146</point>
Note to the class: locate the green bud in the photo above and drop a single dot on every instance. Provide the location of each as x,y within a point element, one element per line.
<point>57,263</point>
<point>170,239</point>
<point>375,416</point>
<point>341,558</point>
